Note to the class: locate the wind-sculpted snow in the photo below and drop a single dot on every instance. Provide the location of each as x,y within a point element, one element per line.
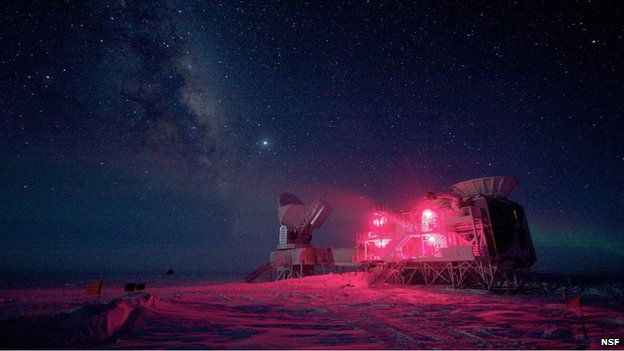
<point>88,325</point>
<point>333,311</point>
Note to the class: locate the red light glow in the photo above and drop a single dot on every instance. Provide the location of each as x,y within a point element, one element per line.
<point>428,220</point>
<point>381,242</point>
<point>379,221</point>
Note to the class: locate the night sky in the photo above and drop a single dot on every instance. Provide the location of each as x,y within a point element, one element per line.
<point>149,135</point>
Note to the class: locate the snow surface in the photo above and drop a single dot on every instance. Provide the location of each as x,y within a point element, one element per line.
<point>331,311</point>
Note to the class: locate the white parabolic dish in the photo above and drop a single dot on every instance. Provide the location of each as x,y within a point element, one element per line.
<point>495,186</point>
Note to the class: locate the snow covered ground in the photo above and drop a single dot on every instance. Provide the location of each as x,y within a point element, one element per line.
<point>333,311</point>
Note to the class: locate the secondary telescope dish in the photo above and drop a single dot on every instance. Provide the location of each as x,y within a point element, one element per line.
<point>294,214</point>
<point>289,199</point>
<point>493,186</point>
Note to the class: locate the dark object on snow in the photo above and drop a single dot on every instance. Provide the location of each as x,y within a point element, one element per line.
<point>129,287</point>
<point>170,272</point>
<point>140,286</point>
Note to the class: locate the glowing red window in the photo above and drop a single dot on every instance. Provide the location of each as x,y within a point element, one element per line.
<point>429,220</point>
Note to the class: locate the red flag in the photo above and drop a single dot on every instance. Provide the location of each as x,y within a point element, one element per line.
<point>574,302</point>
<point>95,288</point>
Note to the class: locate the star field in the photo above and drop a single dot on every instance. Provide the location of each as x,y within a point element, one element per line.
<point>141,135</point>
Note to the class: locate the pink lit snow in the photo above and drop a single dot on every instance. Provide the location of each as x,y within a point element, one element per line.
<point>332,311</point>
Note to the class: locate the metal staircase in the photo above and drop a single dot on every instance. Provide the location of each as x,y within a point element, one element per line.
<point>263,269</point>
<point>391,251</point>
<point>390,271</point>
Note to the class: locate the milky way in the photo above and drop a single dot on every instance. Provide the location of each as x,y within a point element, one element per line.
<point>138,135</point>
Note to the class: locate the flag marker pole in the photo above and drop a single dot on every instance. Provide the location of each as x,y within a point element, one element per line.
<point>583,320</point>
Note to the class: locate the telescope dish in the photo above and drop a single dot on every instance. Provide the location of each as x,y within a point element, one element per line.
<point>289,199</point>
<point>493,186</point>
<point>292,215</point>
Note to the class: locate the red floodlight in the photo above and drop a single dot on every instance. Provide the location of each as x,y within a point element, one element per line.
<point>429,220</point>
<point>379,219</point>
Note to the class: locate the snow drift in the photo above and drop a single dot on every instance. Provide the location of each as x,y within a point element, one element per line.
<point>330,311</point>
<point>87,325</point>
